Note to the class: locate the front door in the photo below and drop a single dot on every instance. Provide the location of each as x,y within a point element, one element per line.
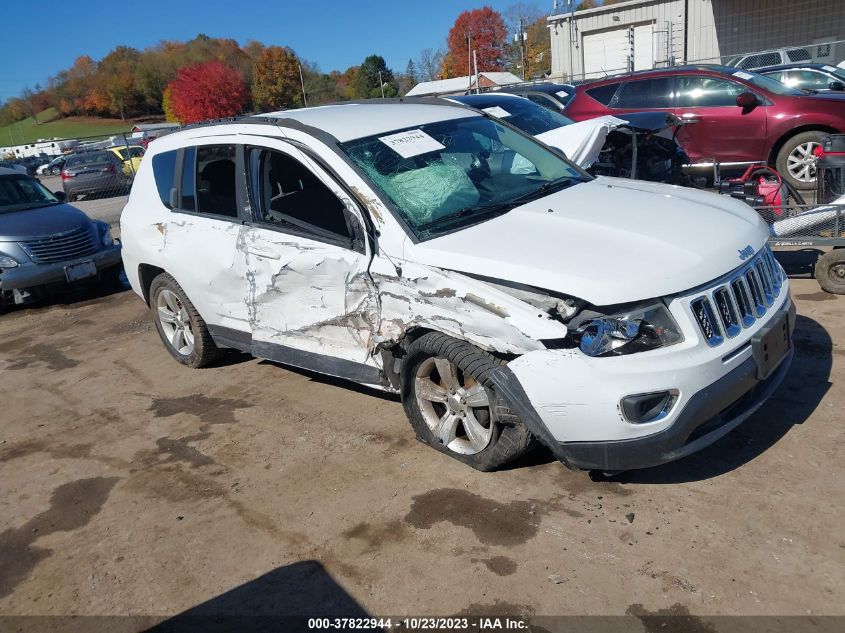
<point>310,298</point>
<point>715,126</point>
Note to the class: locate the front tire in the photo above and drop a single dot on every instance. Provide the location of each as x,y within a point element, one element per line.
<point>796,162</point>
<point>830,271</point>
<point>180,326</point>
<point>451,404</point>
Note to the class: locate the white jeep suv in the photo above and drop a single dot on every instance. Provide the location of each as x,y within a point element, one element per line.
<point>622,324</point>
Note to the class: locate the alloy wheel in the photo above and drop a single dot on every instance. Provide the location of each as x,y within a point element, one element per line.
<point>454,405</point>
<point>175,322</point>
<point>801,162</point>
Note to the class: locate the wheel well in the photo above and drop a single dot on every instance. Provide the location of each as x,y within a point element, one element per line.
<point>146,274</point>
<point>773,155</point>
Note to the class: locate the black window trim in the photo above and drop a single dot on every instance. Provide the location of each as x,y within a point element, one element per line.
<point>355,243</point>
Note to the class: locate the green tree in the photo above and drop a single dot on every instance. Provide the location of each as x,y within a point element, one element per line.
<point>275,79</point>
<point>372,73</point>
<point>116,76</point>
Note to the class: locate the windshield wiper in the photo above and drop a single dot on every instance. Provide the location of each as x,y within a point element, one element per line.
<point>466,212</point>
<point>548,187</point>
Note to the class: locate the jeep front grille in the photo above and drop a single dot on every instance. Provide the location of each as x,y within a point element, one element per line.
<point>739,299</point>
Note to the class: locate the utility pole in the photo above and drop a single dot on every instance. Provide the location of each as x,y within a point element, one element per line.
<point>475,61</point>
<point>522,38</point>
<point>302,83</point>
<point>381,83</point>
<point>469,61</point>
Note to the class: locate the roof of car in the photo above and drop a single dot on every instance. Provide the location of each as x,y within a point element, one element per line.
<point>544,87</point>
<point>485,97</point>
<point>798,66</point>
<point>355,120</point>
<point>711,68</point>
<point>8,171</point>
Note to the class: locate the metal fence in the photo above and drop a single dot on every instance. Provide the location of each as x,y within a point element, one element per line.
<point>645,34</point>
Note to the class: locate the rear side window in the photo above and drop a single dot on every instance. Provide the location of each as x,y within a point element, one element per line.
<point>90,158</point>
<point>603,94</point>
<point>799,55</point>
<point>216,184</point>
<point>164,167</point>
<point>646,93</point>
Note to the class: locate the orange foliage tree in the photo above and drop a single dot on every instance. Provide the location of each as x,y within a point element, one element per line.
<point>488,35</point>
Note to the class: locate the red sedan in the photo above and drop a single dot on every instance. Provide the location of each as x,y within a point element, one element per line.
<point>733,115</point>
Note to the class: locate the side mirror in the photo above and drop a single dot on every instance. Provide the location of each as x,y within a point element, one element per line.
<point>60,196</point>
<point>747,100</point>
<point>836,85</point>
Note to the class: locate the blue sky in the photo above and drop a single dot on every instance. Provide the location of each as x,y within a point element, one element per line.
<point>40,38</point>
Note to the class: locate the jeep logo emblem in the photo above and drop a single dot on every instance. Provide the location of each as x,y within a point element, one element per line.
<point>746,252</point>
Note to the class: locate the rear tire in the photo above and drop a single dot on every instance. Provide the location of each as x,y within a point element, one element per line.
<point>830,271</point>
<point>180,326</point>
<point>460,414</point>
<point>795,161</point>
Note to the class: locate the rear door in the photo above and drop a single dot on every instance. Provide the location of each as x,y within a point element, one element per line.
<point>656,93</point>
<point>715,127</point>
<point>310,297</point>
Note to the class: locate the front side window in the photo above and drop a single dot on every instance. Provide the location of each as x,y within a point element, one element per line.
<point>290,196</point>
<point>646,93</point>
<point>449,174</point>
<point>707,92</point>
<point>806,79</point>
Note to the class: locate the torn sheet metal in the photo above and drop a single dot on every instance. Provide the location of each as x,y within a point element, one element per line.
<point>582,141</point>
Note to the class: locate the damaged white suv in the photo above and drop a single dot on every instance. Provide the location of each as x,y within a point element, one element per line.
<point>622,324</point>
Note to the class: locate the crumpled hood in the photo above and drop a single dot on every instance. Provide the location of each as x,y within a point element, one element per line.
<point>41,222</point>
<point>606,241</point>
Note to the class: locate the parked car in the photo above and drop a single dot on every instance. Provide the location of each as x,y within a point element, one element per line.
<point>549,95</point>
<point>130,157</point>
<point>46,244</point>
<point>621,323</point>
<point>730,115</point>
<point>603,146</point>
<point>820,77</point>
<point>52,168</point>
<point>94,172</point>
<point>753,61</point>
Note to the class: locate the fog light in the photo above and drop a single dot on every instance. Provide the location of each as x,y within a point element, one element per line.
<point>648,407</point>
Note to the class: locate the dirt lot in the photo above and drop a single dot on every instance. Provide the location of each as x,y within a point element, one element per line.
<point>131,485</point>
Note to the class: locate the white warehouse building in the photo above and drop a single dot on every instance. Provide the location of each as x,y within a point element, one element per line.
<point>644,34</point>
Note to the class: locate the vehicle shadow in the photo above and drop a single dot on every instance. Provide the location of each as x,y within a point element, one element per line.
<point>804,387</point>
<point>280,600</point>
<point>800,263</point>
<point>72,296</point>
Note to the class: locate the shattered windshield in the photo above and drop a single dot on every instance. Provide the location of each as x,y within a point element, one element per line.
<point>450,174</point>
<point>18,193</point>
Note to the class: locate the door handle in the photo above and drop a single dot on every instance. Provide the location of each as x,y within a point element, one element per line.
<point>691,117</point>
<point>265,254</point>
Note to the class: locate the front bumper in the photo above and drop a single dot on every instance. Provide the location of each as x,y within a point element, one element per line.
<point>29,275</point>
<point>705,413</point>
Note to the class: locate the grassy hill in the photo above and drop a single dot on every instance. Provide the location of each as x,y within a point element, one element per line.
<point>51,125</point>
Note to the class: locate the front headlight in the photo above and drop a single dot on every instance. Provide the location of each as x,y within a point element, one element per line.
<point>7,262</point>
<point>105,234</point>
<point>636,331</point>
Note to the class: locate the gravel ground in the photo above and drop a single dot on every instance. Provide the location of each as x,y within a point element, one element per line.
<point>132,485</point>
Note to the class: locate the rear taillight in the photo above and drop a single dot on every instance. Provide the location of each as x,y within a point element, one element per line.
<point>110,169</point>
<point>66,175</point>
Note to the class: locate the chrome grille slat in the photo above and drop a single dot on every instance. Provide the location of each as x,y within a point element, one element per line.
<point>78,243</point>
<point>738,300</point>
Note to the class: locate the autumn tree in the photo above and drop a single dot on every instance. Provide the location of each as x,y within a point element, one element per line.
<point>586,4</point>
<point>371,75</point>
<point>484,30</point>
<point>428,64</point>
<point>208,90</point>
<point>116,75</point>
<point>275,79</point>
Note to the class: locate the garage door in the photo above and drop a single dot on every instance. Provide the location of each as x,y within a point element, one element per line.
<point>643,47</point>
<point>606,52</point>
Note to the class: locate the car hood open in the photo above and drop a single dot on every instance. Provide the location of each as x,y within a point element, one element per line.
<point>606,241</point>
<point>40,222</point>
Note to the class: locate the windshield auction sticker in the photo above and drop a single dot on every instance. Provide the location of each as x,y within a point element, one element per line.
<point>498,112</point>
<point>411,143</point>
<point>743,75</point>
